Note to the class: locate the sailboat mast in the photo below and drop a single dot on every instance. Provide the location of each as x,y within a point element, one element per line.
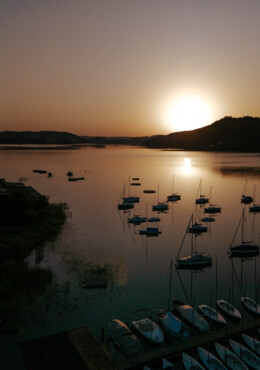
<point>216,280</point>
<point>172,183</point>
<point>243,213</point>
<point>170,287</point>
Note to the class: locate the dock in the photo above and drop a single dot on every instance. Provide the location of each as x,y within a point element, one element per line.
<point>79,349</point>
<point>173,350</point>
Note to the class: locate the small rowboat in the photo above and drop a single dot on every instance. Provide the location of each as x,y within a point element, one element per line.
<point>209,360</point>
<point>190,363</point>
<point>228,309</point>
<point>212,315</point>
<point>245,354</point>
<point>229,358</point>
<point>251,306</point>
<point>253,343</point>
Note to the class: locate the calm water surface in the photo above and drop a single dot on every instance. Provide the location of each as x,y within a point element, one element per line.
<point>97,232</point>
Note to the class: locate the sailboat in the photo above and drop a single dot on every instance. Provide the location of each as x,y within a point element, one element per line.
<point>173,197</point>
<point>245,249</point>
<point>212,208</point>
<point>201,199</point>
<point>188,313</point>
<point>149,330</point>
<point>124,338</point>
<point>136,219</point>
<point>160,206</point>
<point>256,207</point>
<point>190,363</point>
<point>209,360</point>
<point>253,343</point>
<point>246,199</point>
<point>245,354</point>
<point>196,227</point>
<point>229,358</point>
<point>130,199</point>
<point>124,205</point>
<point>251,306</point>
<point>212,315</point>
<point>228,309</point>
<point>195,260</point>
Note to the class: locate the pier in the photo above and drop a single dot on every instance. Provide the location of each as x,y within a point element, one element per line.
<point>80,349</point>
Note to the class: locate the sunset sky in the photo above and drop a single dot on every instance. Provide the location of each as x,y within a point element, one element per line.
<point>127,67</point>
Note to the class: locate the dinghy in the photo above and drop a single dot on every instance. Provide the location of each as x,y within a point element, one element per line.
<point>245,354</point>
<point>209,360</point>
<point>253,343</point>
<point>190,363</point>
<point>192,316</point>
<point>228,309</point>
<point>251,306</point>
<point>124,338</point>
<point>212,315</point>
<point>174,326</point>
<point>229,358</point>
<point>149,330</point>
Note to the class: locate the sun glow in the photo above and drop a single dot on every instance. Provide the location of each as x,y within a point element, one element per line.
<point>187,113</point>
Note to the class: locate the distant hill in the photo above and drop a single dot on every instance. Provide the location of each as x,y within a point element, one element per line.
<point>228,134</point>
<point>38,137</point>
<point>56,137</point>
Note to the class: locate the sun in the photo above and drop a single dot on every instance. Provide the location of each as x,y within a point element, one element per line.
<point>187,113</point>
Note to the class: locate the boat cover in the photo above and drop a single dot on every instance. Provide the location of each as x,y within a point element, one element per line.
<point>172,323</point>
<point>193,317</point>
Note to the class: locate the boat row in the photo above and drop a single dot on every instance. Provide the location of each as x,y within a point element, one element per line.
<point>238,356</point>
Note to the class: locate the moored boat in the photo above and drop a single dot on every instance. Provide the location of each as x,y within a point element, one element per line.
<point>75,178</point>
<point>150,231</point>
<point>208,219</point>
<point>160,207</point>
<point>255,208</point>
<point>190,363</point>
<point>209,360</point>
<point>251,306</point>
<point>196,260</point>
<point>197,228</point>
<point>212,315</point>
<point>253,343</point>
<point>125,338</point>
<point>174,326</point>
<point>212,209</point>
<point>136,219</point>
<point>229,358</point>
<point>188,313</point>
<point>228,309</point>
<point>149,330</point>
<point>154,219</point>
<point>245,354</point>
<point>131,199</point>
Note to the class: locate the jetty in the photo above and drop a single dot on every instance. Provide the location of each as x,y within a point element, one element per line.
<point>80,349</point>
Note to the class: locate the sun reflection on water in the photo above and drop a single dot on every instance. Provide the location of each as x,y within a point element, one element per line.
<point>187,169</point>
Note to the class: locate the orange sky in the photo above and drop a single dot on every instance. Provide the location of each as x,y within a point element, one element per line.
<point>113,67</point>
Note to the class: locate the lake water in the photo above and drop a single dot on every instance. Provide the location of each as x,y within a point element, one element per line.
<point>97,232</point>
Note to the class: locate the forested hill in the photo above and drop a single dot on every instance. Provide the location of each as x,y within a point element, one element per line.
<point>228,134</point>
<point>38,137</point>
